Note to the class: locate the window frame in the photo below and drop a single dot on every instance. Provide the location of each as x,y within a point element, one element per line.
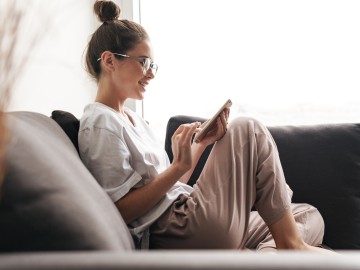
<point>130,10</point>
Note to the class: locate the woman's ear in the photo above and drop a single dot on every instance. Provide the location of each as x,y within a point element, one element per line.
<point>107,60</point>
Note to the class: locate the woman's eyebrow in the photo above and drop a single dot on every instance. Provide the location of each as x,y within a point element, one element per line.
<point>144,56</point>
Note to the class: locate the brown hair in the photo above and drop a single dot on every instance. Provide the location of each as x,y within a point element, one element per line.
<point>113,35</point>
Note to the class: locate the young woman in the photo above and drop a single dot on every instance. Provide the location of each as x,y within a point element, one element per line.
<point>161,210</point>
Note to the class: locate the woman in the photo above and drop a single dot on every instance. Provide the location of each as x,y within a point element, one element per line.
<point>242,171</point>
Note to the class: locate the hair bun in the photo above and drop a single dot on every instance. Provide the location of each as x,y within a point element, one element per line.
<point>107,10</point>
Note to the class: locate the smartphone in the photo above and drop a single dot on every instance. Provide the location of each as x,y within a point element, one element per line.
<point>200,135</point>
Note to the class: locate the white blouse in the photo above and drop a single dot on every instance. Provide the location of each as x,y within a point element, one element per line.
<point>122,156</point>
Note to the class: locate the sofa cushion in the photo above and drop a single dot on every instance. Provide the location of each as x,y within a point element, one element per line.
<point>321,165</point>
<point>50,201</point>
<point>69,123</point>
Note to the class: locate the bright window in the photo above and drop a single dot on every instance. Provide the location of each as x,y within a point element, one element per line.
<point>283,62</point>
<point>51,37</point>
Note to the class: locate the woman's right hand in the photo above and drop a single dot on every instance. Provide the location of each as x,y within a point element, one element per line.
<point>139,201</point>
<point>181,146</point>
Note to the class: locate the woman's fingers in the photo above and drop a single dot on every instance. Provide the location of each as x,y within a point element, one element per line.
<point>223,119</point>
<point>186,131</point>
<point>181,145</point>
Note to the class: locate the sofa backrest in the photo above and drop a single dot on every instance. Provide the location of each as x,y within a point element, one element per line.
<point>50,201</point>
<point>321,165</point>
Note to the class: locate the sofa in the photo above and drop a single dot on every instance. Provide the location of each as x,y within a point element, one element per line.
<point>54,215</point>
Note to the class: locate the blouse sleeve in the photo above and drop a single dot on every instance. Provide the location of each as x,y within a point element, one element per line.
<point>109,161</point>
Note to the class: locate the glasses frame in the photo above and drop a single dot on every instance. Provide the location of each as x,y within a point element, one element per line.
<point>140,59</point>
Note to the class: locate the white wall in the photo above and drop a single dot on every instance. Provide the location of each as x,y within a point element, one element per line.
<point>55,77</point>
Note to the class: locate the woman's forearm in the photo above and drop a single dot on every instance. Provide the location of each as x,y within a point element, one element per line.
<point>196,151</point>
<point>139,201</point>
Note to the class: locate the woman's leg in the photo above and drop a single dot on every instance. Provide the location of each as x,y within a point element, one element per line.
<point>242,170</point>
<point>309,223</point>
<point>216,215</point>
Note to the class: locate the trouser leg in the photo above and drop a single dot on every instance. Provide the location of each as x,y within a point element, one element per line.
<point>308,220</point>
<point>242,170</point>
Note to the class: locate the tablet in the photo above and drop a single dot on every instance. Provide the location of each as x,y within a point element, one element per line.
<point>200,135</point>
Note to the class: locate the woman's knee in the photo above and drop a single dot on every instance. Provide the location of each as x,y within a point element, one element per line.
<point>244,121</point>
<point>251,130</point>
<point>317,219</point>
<point>312,213</point>
<point>310,217</point>
<point>246,126</point>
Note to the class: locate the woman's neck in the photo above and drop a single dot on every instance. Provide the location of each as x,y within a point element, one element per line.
<point>106,96</point>
<point>110,103</point>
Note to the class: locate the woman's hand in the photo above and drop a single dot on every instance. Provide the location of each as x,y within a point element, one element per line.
<point>139,201</point>
<point>181,146</point>
<point>218,130</point>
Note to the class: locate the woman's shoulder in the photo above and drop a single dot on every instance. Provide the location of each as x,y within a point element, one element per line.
<point>100,116</point>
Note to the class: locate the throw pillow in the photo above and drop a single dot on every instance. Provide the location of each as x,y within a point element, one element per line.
<point>69,123</point>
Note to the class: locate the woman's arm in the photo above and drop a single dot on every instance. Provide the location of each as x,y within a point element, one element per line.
<point>140,200</point>
<point>196,151</point>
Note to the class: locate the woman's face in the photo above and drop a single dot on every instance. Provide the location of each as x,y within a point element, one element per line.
<point>130,76</point>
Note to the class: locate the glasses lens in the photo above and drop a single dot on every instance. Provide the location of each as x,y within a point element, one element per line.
<point>146,64</point>
<point>154,68</point>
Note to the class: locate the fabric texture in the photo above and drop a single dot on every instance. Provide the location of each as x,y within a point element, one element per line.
<point>242,170</point>
<point>50,200</point>
<point>122,156</point>
<point>309,223</point>
<point>321,164</point>
<point>69,123</point>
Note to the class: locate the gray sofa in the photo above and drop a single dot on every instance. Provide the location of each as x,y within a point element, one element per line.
<point>54,215</point>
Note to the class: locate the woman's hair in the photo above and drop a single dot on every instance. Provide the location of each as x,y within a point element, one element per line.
<point>113,35</point>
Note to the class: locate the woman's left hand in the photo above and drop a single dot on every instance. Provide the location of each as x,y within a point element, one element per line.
<point>218,130</point>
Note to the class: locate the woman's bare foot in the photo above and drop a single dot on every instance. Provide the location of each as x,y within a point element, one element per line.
<point>319,249</point>
<point>304,247</point>
<point>269,250</point>
<point>287,237</point>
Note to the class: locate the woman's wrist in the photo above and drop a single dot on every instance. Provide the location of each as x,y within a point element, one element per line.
<point>200,146</point>
<point>178,170</point>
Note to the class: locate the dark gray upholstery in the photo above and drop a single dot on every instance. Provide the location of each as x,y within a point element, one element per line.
<point>321,165</point>
<point>50,198</point>
<point>69,123</point>
<point>50,201</point>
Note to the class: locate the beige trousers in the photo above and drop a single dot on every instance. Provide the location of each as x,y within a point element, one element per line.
<point>243,171</point>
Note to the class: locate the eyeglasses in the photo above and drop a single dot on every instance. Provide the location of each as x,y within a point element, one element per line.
<point>146,62</point>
